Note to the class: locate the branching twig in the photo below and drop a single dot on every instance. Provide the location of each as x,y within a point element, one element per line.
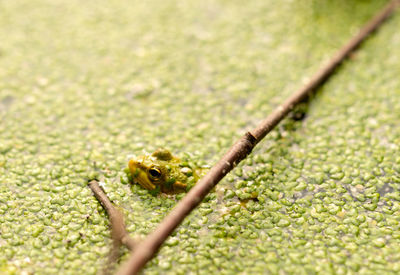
<point>149,247</point>
<point>119,234</point>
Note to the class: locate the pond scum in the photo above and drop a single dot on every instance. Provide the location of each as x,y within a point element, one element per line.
<point>85,86</point>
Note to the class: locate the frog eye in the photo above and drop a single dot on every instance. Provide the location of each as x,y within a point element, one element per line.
<point>155,172</point>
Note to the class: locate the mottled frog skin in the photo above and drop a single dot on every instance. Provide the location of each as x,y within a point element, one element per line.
<point>162,172</point>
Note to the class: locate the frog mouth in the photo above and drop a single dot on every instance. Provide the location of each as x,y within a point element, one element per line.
<point>139,175</point>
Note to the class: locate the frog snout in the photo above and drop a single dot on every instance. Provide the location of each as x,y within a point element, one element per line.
<point>135,164</point>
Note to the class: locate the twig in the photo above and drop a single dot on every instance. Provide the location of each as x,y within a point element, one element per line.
<point>119,234</point>
<point>146,249</point>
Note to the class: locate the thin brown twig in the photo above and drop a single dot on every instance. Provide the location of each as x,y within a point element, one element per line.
<point>119,234</point>
<point>146,249</point>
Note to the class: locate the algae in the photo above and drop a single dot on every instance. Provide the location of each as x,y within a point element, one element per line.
<point>84,86</point>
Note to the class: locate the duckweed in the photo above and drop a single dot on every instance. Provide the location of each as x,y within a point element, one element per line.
<point>83,90</point>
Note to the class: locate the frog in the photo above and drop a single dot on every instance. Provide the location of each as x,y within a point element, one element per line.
<point>163,172</point>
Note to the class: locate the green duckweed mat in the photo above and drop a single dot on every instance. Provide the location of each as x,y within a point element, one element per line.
<point>85,85</point>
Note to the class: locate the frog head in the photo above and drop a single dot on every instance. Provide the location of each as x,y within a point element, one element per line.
<point>161,171</point>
